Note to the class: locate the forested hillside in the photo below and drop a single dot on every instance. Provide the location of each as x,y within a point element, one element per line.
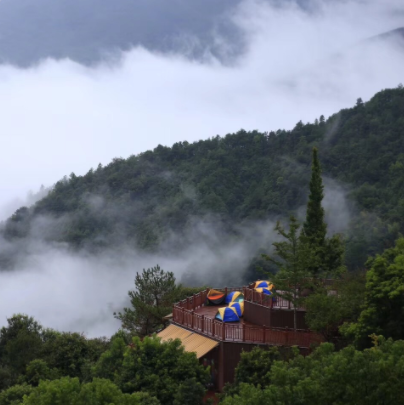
<point>231,180</point>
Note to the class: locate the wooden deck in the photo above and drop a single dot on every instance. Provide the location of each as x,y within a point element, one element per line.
<point>210,311</point>
<point>193,314</point>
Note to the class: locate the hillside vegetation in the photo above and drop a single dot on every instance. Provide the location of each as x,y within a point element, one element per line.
<point>231,180</point>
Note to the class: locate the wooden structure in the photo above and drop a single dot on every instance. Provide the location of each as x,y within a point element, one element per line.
<point>265,322</point>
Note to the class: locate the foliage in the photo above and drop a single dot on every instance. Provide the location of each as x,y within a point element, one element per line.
<point>29,353</point>
<point>20,342</point>
<point>372,376</point>
<point>70,352</point>
<point>38,370</point>
<point>153,297</point>
<point>190,392</point>
<point>314,228</point>
<point>15,394</point>
<point>294,257</point>
<point>328,308</point>
<point>329,252</point>
<point>160,368</point>
<point>253,368</point>
<point>69,391</point>
<point>110,362</point>
<point>383,309</point>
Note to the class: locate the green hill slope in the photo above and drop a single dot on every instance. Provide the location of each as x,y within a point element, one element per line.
<point>230,180</point>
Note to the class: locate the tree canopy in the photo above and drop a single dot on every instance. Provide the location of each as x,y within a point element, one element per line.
<point>346,377</point>
<point>383,307</point>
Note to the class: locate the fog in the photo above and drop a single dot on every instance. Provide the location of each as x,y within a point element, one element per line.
<point>78,291</point>
<point>60,117</point>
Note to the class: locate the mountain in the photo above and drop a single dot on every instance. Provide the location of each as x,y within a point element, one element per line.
<point>228,182</point>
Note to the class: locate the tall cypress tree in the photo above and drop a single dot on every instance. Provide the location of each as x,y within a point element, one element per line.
<point>314,227</point>
<point>328,252</point>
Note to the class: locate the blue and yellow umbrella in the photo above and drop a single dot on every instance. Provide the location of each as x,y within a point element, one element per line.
<point>234,296</point>
<point>227,314</point>
<point>263,284</point>
<point>263,290</point>
<point>239,307</point>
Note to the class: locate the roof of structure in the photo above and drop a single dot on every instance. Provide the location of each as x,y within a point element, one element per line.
<point>192,342</point>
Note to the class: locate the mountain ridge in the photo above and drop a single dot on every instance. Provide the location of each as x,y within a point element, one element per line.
<point>247,176</point>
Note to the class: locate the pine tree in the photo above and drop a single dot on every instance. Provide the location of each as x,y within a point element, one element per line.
<point>314,227</point>
<point>329,252</point>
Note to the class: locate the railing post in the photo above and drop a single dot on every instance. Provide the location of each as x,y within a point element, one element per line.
<point>213,328</point>
<point>202,322</point>
<point>264,334</point>
<point>192,319</point>
<point>224,332</point>
<point>243,332</point>
<point>193,300</point>
<point>182,317</point>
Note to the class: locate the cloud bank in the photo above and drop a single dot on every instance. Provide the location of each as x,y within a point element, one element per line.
<point>78,291</point>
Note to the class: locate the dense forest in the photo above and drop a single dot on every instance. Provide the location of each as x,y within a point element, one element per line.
<point>230,181</point>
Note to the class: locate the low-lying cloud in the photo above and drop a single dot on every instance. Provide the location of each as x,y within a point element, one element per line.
<point>61,117</point>
<point>78,291</point>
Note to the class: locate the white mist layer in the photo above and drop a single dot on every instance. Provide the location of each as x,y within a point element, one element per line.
<point>61,117</point>
<point>80,292</point>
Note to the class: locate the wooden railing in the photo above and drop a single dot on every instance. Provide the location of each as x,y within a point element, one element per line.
<point>195,301</point>
<point>237,332</point>
<point>276,302</point>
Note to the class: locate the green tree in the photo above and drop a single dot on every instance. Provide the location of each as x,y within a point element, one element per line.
<point>20,342</point>
<point>383,309</point>
<point>314,227</point>
<point>68,352</point>
<point>347,377</point>
<point>156,291</point>
<point>110,362</point>
<point>69,391</point>
<point>104,392</point>
<point>64,391</point>
<point>253,368</point>
<point>330,251</point>
<point>293,258</point>
<point>328,308</point>
<point>160,368</point>
<point>190,392</point>
<point>15,394</point>
<point>38,370</point>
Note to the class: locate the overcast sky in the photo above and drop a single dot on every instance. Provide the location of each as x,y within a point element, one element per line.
<point>61,117</point>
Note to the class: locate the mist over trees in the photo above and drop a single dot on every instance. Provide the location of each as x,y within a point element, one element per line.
<point>227,182</point>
